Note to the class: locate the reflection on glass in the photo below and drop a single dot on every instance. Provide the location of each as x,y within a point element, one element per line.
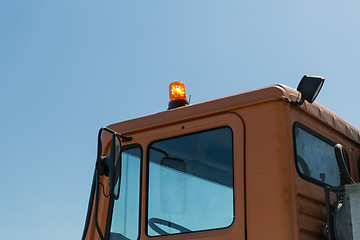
<point>191,183</point>
<point>316,158</point>
<point>125,219</point>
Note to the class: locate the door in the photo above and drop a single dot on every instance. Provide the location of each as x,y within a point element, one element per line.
<point>194,180</point>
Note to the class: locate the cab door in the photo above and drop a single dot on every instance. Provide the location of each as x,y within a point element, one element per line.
<point>193,180</point>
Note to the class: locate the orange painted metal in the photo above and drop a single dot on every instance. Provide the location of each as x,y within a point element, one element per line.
<point>271,200</point>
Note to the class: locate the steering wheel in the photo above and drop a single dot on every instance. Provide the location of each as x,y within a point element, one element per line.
<point>153,221</point>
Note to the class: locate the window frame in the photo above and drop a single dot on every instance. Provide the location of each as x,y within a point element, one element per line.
<point>112,199</point>
<point>148,147</point>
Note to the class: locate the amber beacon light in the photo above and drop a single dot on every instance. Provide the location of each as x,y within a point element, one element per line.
<point>177,95</point>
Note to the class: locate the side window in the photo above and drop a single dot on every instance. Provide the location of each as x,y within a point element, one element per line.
<point>191,183</point>
<point>315,157</point>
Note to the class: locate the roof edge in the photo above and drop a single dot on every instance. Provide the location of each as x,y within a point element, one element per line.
<point>218,105</point>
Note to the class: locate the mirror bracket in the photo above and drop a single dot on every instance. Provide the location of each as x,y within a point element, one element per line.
<point>125,139</point>
<point>102,166</point>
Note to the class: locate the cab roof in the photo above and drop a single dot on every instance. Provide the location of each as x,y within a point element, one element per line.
<point>226,104</point>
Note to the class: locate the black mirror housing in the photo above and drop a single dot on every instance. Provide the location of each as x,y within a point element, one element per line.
<point>110,165</point>
<point>309,87</point>
<point>342,159</point>
<point>113,161</point>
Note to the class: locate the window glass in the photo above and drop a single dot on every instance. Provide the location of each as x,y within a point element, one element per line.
<point>315,157</point>
<point>125,218</point>
<point>191,183</point>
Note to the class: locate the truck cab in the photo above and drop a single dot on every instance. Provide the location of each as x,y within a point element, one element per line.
<point>252,166</point>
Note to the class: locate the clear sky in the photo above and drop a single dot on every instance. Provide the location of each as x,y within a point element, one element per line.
<point>69,67</point>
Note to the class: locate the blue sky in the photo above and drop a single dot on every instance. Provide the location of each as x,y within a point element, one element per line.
<point>68,68</point>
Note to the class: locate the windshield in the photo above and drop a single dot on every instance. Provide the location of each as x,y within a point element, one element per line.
<point>125,218</point>
<point>191,183</point>
<point>190,186</point>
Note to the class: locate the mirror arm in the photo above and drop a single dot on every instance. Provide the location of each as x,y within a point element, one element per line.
<point>124,138</point>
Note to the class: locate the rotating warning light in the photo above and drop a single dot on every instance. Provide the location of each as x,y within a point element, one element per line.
<point>177,95</point>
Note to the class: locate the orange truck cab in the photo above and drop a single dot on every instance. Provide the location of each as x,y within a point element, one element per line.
<point>263,164</point>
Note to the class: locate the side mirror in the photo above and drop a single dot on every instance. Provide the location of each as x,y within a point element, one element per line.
<point>342,159</point>
<point>113,160</point>
<point>110,165</point>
